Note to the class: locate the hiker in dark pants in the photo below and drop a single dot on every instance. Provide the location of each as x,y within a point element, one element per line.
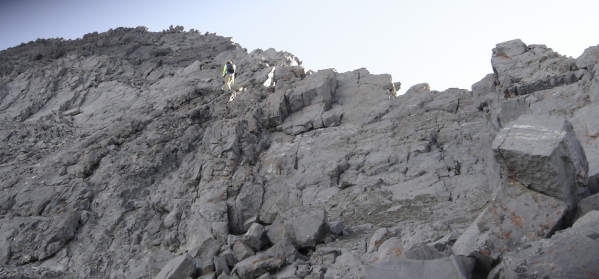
<point>229,74</point>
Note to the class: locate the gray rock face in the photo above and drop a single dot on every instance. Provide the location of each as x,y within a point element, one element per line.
<point>535,81</point>
<point>515,217</point>
<point>543,165</point>
<point>567,254</point>
<point>124,142</point>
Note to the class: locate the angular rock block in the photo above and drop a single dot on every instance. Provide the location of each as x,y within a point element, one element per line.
<point>275,110</point>
<point>310,229</point>
<point>310,118</point>
<point>543,153</point>
<point>288,73</point>
<point>316,88</point>
<point>228,255</point>
<point>336,227</point>
<point>269,260</point>
<point>257,265</point>
<point>220,266</point>
<point>515,217</point>
<point>385,81</point>
<point>254,237</point>
<point>180,267</point>
<point>449,267</point>
<point>242,251</point>
<point>570,253</point>
<point>284,249</point>
<point>510,48</point>
<point>305,230</point>
<point>589,58</point>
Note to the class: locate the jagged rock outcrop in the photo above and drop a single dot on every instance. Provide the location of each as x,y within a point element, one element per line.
<point>121,157</point>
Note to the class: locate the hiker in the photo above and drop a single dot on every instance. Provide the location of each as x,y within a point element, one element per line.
<point>229,74</point>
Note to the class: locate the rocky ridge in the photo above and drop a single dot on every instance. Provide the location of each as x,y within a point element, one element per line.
<point>121,157</point>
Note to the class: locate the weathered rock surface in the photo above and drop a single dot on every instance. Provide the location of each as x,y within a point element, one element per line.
<point>542,166</point>
<point>543,153</point>
<point>515,217</point>
<point>568,254</point>
<point>587,205</point>
<point>180,267</point>
<point>450,267</point>
<point>119,151</point>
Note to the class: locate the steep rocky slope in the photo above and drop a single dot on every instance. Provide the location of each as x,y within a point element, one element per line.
<point>122,157</point>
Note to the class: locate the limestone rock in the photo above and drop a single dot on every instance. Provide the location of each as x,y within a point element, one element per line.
<point>284,249</point>
<point>257,265</point>
<point>346,264</point>
<point>378,238</point>
<point>588,59</point>
<point>587,205</point>
<point>229,256</point>
<point>306,229</point>
<point>515,217</point>
<point>568,253</point>
<point>180,267</point>
<point>590,217</point>
<point>449,267</point>
<point>418,88</point>
<point>310,229</point>
<point>221,266</point>
<point>125,142</point>
<point>392,248</point>
<point>336,227</point>
<point>317,88</point>
<point>287,272</point>
<point>255,237</point>
<point>544,155</point>
<point>242,251</point>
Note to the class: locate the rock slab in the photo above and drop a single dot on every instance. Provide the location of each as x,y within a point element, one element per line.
<point>180,267</point>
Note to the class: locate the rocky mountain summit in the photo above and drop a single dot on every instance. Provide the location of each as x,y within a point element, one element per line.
<point>122,157</point>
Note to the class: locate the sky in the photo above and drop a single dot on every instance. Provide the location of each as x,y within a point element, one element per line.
<point>446,43</point>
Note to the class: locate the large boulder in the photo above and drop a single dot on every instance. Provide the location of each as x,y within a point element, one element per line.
<point>255,237</point>
<point>543,153</point>
<point>542,167</point>
<point>305,229</point>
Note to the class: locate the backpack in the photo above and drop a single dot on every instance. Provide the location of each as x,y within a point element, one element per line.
<point>230,69</point>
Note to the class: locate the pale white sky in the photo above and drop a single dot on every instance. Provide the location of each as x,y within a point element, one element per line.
<point>445,43</point>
